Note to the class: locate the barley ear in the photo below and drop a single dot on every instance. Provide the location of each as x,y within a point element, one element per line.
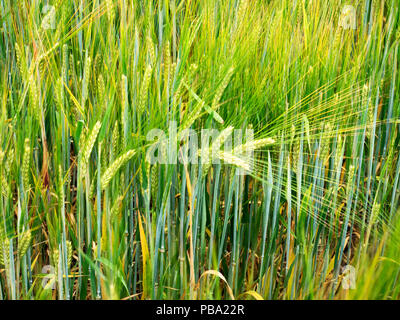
<point>115,166</point>
<point>221,88</point>
<point>88,147</point>
<point>69,252</point>
<point>25,164</point>
<point>24,243</point>
<point>144,89</point>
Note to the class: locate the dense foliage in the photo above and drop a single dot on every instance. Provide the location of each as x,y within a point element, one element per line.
<point>84,214</point>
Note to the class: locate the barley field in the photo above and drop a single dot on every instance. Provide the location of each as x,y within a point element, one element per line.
<point>105,195</point>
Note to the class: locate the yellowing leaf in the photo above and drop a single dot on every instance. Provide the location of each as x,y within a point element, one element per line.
<point>146,262</point>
